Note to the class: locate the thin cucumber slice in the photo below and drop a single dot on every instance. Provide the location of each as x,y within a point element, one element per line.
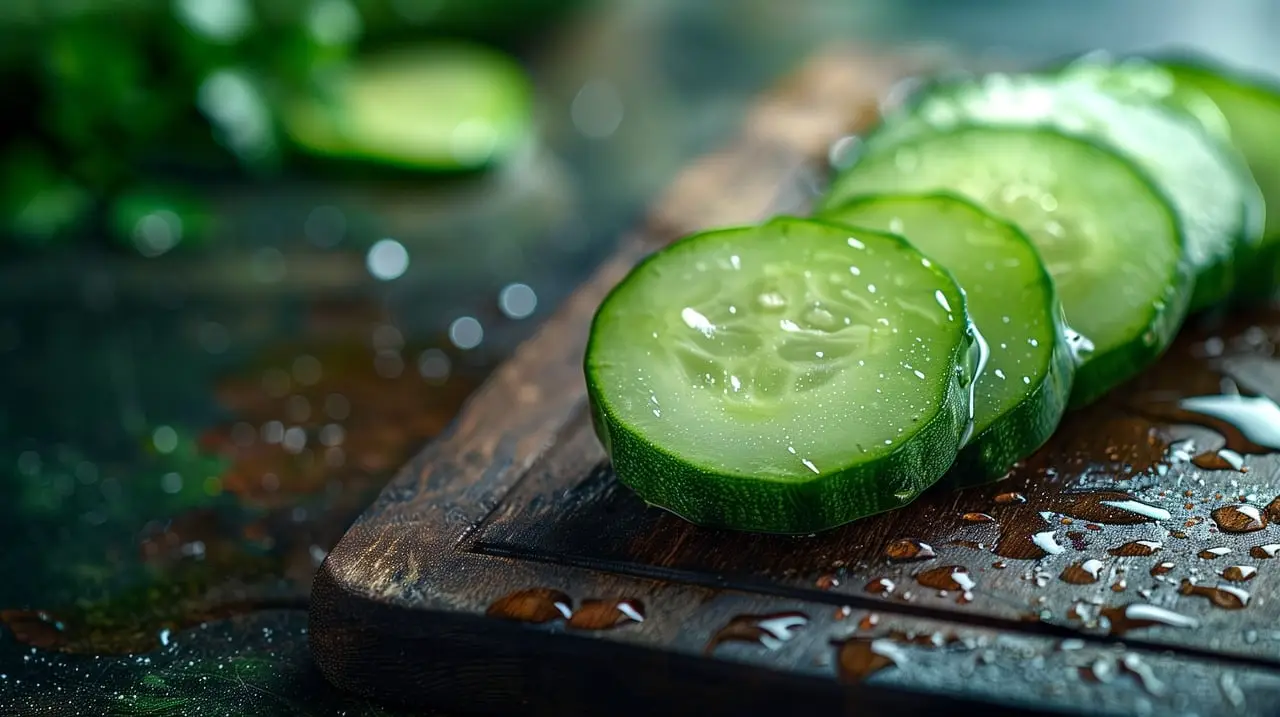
<point>1216,199</point>
<point>1204,94</point>
<point>1251,108</point>
<point>1105,233</point>
<point>448,107</point>
<point>1137,79</point>
<point>785,378</point>
<point>1022,392</point>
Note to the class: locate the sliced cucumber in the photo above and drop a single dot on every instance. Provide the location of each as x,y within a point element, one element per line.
<point>448,107</point>
<point>1022,392</point>
<point>1105,233</point>
<point>1137,79</point>
<point>1216,199</point>
<point>785,378</point>
<point>1251,108</point>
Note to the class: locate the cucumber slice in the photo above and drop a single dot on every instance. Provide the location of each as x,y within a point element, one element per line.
<point>449,107</point>
<point>1216,199</point>
<point>1251,108</point>
<point>785,378</point>
<point>1022,392</point>
<point>1137,79</point>
<point>1105,233</point>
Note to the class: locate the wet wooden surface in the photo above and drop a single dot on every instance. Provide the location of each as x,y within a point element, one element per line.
<point>1129,567</point>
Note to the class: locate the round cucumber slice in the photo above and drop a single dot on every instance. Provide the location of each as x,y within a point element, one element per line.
<point>784,378</point>
<point>1251,108</point>
<point>447,107</point>
<point>1022,392</point>
<point>1106,235</point>
<point>1217,201</point>
<point>1136,79</point>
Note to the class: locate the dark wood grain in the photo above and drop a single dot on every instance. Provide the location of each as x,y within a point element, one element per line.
<point>514,513</point>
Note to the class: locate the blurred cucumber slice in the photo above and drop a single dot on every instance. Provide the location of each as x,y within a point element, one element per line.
<point>1137,79</point>
<point>445,108</point>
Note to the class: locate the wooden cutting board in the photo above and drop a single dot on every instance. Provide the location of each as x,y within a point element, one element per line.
<point>504,570</point>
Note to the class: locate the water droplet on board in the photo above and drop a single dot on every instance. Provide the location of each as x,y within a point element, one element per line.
<point>1046,543</point>
<point>1026,535</point>
<point>826,581</point>
<point>1223,596</point>
<point>770,631</point>
<point>1273,508</point>
<point>536,605</point>
<point>977,518</point>
<point>1084,573</point>
<point>1133,665</point>
<point>868,621</point>
<point>949,578</point>
<point>1135,616</point>
<point>926,638</point>
<point>880,586</point>
<point>1018,542</point>
<point>1239,518</point>
<point>1214,553</point>
<point>1100,670</point>
<point>1221,460</point>
<point>1162,569</point>
<point>857,658</point>
<point>1256,417</point>
<point>1239,573</point>
<point>1009,498</point>
<point>1265,552</point>
<point>907,549</point>
<point>1113,508</point>
<point>606,614</point>
<point>1136,549</point>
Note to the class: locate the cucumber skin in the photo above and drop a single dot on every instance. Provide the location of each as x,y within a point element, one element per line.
<point>1095,377</point>
<point>991,454</point>
<point>713,500</point>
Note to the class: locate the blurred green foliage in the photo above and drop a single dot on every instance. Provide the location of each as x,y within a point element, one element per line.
<point>104,96</point>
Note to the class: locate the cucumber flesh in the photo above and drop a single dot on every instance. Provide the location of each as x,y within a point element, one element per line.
<point>1022,392</point>
<point>1106,235</point>
<point>1251,108</point>
<point>784,378</point>
<point>449,107</point>
<point>1214,196</point>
